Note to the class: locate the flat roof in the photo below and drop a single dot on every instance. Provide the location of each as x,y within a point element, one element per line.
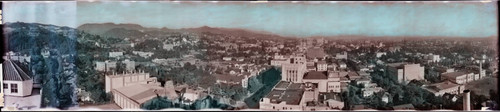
<point>316,75</point>
<point>291,97</point>
<point>442,85</point>
<point>141,93</point>
<point>453,74</point>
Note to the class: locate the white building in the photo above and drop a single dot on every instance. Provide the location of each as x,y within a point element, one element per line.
<point>341,56</point>
<point>227,58</point>
<point>16,81</point>
<point>129,65</point>
<point>114,81</point>
<point>380,54</point>
<point>321,66</point>
<point>115,54</point>
<point>406,72</point>
<point>105,66</point>
<point>441,88</point>
<point>143,54</point>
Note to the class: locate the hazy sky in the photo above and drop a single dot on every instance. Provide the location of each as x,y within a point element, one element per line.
<point>454,19</point>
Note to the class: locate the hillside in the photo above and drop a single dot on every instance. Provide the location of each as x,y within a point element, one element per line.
<point>138,31</point>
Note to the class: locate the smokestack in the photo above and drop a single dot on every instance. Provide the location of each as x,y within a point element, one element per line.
<point>466,100</point>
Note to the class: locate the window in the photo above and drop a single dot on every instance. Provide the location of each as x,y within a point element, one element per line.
<point>13,88</point>
<point>5,86</point>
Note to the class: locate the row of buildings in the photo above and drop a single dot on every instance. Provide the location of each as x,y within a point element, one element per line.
<point>454,81</point>
<point>310,83</point>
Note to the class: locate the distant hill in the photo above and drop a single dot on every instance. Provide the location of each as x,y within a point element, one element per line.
<point>100,29</point>
<point>23,37</point>
<point>134,30</point>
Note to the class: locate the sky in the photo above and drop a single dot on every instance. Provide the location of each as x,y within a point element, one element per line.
<point>299,19</point>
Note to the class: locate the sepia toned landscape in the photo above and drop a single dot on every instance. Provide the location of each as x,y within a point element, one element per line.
<point>273,56</point>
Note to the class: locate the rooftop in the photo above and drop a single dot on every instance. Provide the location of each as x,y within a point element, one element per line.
<point>442,85</point>
<point>229,77</point>
<point>291,97</point>
<point>315,52</point>
<point>396,65</point>
<point>13,72</point>
<point>140,93</point>
<point>453,74</point>
<point>316,75</point>
<point>329,95</point>
<point>321,62</point>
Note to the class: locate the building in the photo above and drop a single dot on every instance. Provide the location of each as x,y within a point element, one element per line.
<point>143,54</point>
<point>432,58</point>
<point>341,56</point>
<point>406,72</point>
<point>17,87</point>
<point>293,72</point>
<point>105,66</point>
<point>227,58</point>
<point>380,54</point>
<point>441,88</point>
<point>129,65</point>
<point>300,96</point>
<point>458,77</point>
<point>115,54</point>
<point>133,96</point>
<point>16,80</point>
<point>284,96</point>
<point>114,81</point>
<point>370,91</point>
<point>132,90</point>
<point>229,79</point>
<point>315,53</point>
<point>321,66</point>
<point>324,81</point>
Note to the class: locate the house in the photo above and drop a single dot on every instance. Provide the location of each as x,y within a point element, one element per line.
<point>18,87</point>
<point>370,91</point>
<point>143,54</point>
<point>227,58</point>
<point>380,54</point>
<point>385,97</point>
<point>16,81</point>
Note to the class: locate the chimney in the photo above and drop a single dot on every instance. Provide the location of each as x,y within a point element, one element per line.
<point>466,100</point>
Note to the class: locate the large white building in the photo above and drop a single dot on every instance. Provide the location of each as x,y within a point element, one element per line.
<point>114,81</point>
<point>440,89</point>
<point>405,72</point>
<point>105,66</point>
